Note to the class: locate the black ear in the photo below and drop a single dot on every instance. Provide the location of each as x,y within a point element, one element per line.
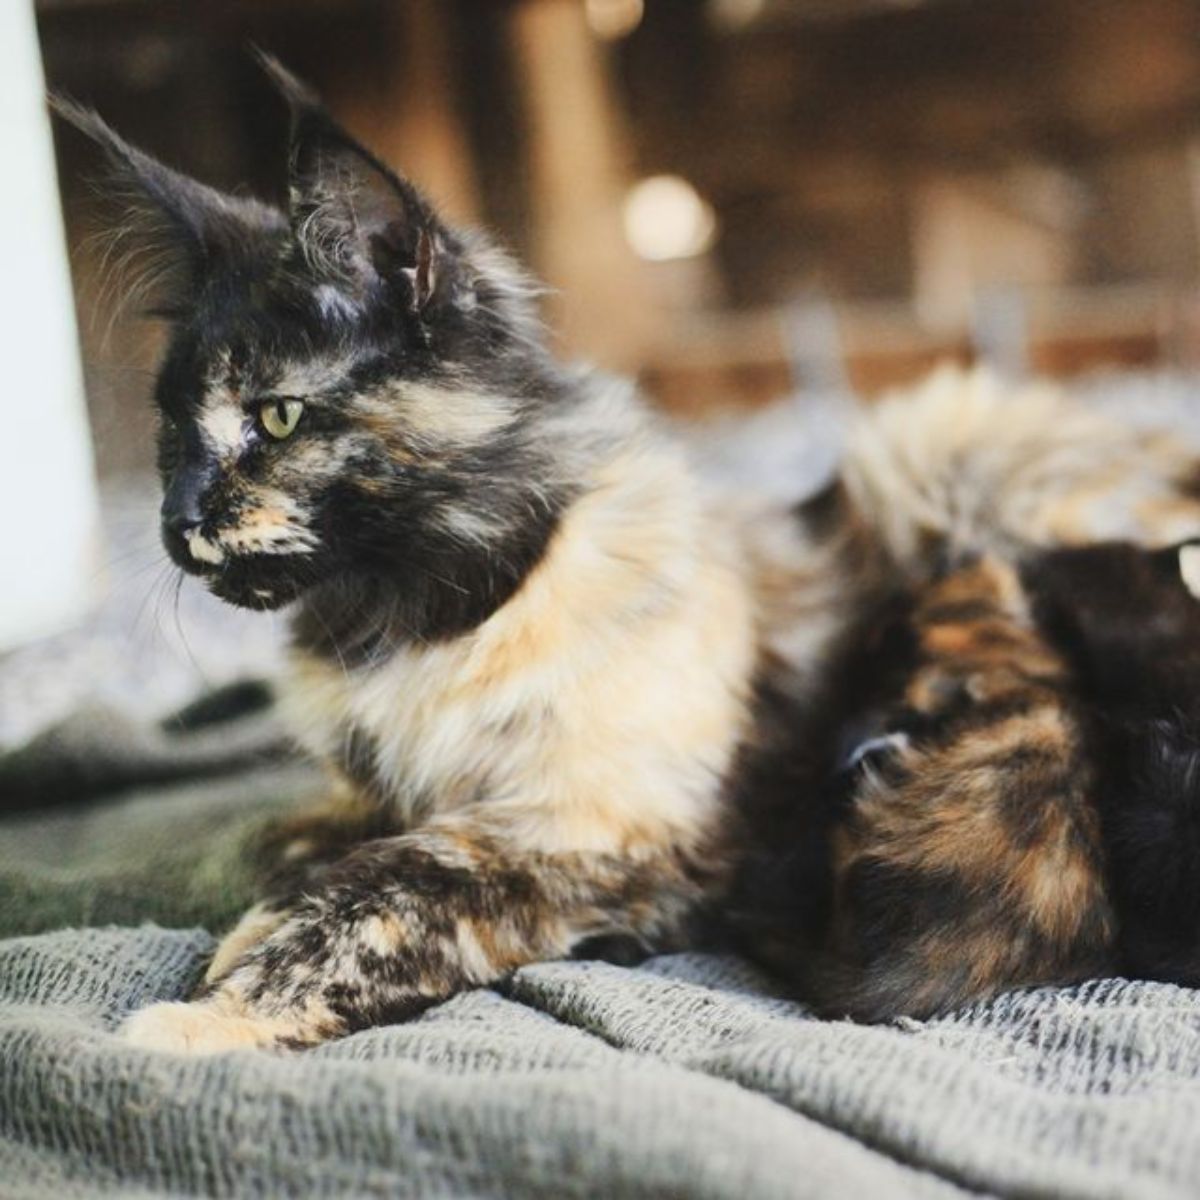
<point>355,221</point>
<point>191,230</point>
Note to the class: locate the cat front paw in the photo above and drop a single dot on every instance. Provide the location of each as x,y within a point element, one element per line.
<point>198,1028</point>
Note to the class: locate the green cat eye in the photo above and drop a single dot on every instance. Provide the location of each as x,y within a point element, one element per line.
<point>280,417</point>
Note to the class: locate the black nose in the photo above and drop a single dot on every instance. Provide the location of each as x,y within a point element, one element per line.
<point>182,509</point>
<point>180,524</point>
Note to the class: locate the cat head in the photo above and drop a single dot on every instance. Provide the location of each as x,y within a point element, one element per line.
<point>353,394</point>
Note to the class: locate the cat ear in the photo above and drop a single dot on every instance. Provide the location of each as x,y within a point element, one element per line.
<point>354,220</point>
<point>192,230</point>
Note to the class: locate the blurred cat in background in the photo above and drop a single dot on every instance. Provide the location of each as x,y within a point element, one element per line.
<point>1010,794</point>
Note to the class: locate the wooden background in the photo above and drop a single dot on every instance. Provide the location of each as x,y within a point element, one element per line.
<point>893,181</point>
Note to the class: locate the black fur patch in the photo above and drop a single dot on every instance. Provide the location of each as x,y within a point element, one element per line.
<point>1131,630</point>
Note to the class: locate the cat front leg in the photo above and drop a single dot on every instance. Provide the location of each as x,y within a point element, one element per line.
<point>287,856</point>
<point>403,922</point>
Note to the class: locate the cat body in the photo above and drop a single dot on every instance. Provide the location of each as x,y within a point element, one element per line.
<point>553,677</point>
<point>1014,798</point>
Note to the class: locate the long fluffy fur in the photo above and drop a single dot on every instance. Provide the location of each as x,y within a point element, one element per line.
<point>557,684</point>
<point>966,464</point>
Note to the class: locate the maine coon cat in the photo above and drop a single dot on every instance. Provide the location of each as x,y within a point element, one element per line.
<point>547,671</point>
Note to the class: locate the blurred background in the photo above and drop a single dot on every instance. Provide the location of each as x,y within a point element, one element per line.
<point>694,176</point>
<point>738,201</point>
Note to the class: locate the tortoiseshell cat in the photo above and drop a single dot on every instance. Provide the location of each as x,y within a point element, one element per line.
<point>533,652</point>
<point>1017,799</point>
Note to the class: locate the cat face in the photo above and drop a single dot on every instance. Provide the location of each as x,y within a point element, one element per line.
<point>354,396</point>
<point>306,434</point>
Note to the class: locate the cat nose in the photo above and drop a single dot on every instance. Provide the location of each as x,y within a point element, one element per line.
<point>181,523</point>
<point>181,507</point>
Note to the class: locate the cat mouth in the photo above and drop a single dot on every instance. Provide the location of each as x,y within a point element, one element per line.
<point>262,582</point>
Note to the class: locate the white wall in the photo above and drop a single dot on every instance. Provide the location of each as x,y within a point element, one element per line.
<point>48,512</point>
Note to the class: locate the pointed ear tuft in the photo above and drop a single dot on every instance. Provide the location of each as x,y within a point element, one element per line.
<point>354,220</point>
<point>295,91</point>
<point>186,224</point>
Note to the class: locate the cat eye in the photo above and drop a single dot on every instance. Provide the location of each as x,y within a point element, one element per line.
<point>280,417</point>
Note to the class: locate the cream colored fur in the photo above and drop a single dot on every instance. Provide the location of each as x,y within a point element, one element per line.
<point>598,709</point>
<point>967,462</point>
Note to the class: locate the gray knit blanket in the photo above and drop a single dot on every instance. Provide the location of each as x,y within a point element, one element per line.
<point>685,1077</point>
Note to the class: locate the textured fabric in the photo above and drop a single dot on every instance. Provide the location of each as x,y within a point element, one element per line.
<point>679,1078</point>
<point>682,1077</point>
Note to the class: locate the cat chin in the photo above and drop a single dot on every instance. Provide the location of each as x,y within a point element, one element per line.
<point>259,600</point>
<point>249,589</point>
